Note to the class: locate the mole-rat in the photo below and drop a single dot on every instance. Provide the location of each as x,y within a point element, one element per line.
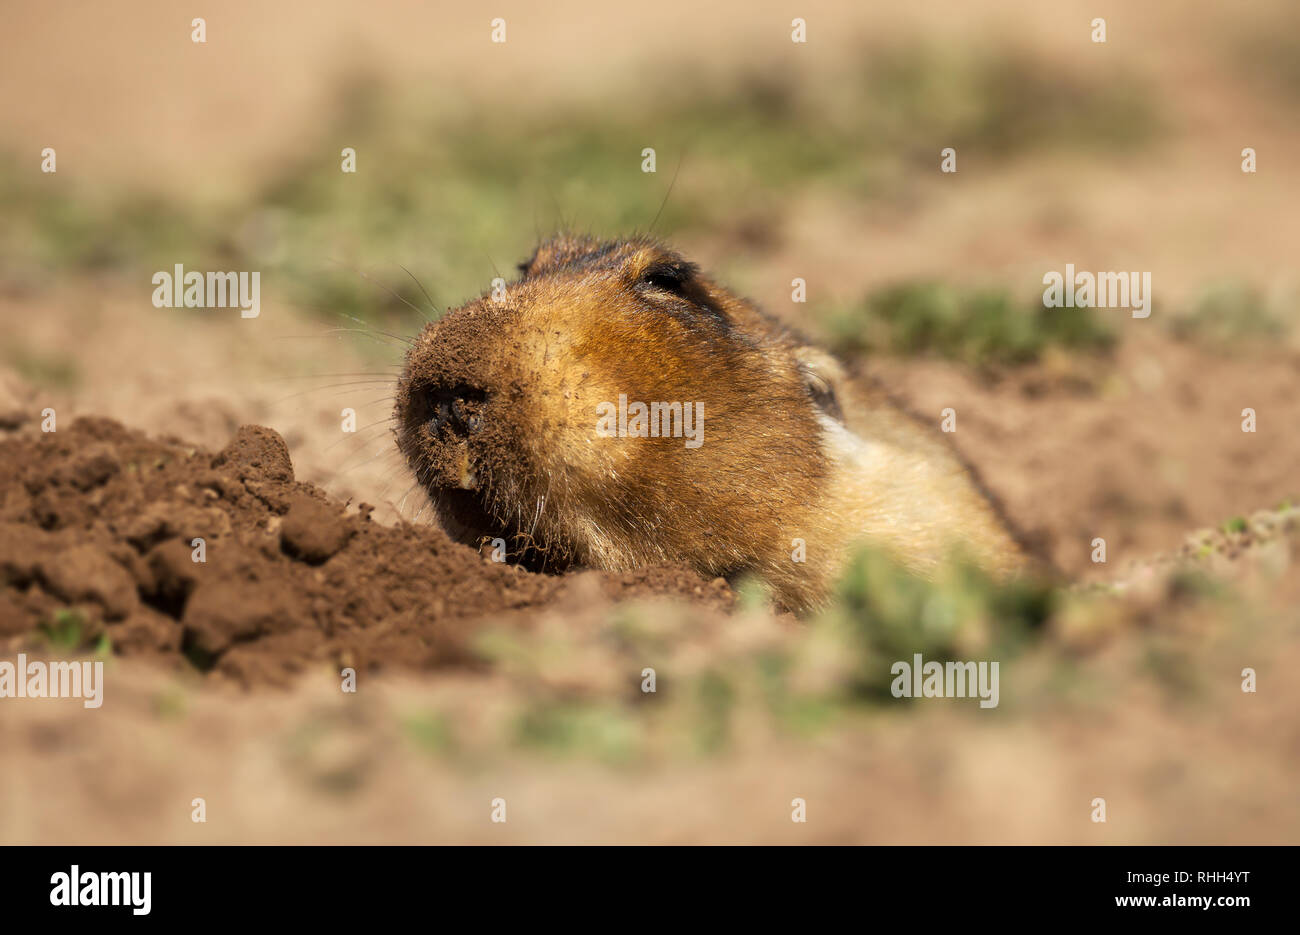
<point>615,407</point>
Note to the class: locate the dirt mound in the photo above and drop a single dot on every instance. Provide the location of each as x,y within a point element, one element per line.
<point>227,564</point>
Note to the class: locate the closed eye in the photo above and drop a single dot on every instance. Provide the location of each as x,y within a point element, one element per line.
<point>670,277</point>
<point>678,279</point>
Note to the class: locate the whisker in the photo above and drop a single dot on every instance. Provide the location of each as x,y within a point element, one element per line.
<point>391,374</point>
<point>433,306</point>
<point>663,204</point>
<point>401,508</point>
<point>334,386</point>
<point>387,449</point>
<point>387,477</point>
<point>353,318</point>
<point>332,332</point>
<point>386,288</point>
<point>381,399</point>
<point>318,389</point>
<point>559,213</point>
<point>356,436</point>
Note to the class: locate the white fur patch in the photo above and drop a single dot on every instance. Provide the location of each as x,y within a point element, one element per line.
<point>845,448</point>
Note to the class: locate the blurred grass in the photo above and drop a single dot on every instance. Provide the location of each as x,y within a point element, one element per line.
<point>56,370</point>
<point>799,681</point>
<point>445,189</point>
<point>962,614</point>
<point>603,730</point>
<point>1233,312</point>
<point>430,731</point>
<point>566,691</point>
<point>981,327</point>
<point>1265,50</point>
<point>66,631</point>
<point>55,228</point>
<point>459,192</point>
<point>723,680</point>
<point>573,688</point>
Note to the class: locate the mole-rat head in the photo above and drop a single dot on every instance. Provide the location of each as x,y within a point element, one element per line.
<point>613,407</point>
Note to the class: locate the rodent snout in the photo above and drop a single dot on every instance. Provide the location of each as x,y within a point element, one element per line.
<point>456,410</point>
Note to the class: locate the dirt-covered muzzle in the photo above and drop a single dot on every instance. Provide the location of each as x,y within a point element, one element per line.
<point>455,424</point>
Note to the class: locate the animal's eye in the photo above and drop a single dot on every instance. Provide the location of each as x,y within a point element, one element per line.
<point>671,277</point>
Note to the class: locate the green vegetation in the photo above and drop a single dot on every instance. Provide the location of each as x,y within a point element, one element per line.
<point>171,702</point>
<point>979,327</point>
<point>1231,313</point>
<point>604,731</point>
<point>445,194</point>
<point>55,227</point>
<point>1002,102</point>
<point>56,370</point>
<point>429,731</point>
<point>1237,524</point>
<point>459,195</point>
<point>65,632</point>
<point>963,614</point>
<point>575,691</point>
<point>1266,51</point>
<point>798,679</point>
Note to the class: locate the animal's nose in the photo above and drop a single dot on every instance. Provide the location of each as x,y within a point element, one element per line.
<point>456,409</point>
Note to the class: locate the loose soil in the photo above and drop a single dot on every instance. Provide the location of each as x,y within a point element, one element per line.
<point>101,523</point>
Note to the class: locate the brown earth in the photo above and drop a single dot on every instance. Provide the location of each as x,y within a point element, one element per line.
<point>102,522</point>
<point>1140,448</point>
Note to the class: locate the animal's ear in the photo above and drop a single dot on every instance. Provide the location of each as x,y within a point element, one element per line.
<point>547,254</point>
<point>825,378</point>
<point>526,266</point>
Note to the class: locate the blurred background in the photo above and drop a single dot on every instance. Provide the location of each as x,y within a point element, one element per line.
<point>775,160</point>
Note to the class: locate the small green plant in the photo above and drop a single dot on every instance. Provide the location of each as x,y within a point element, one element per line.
<point>595,729</point>
<point>1230,312</point>
<point>170,702</point>
<point>47,370</point>
<point>431,732</point>
<point>961,613</point>
<point>65,631</point>
<point>715,698</point>
<point>981,327</point>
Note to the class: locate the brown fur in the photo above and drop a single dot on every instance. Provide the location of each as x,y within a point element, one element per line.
<point>497,414</point>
